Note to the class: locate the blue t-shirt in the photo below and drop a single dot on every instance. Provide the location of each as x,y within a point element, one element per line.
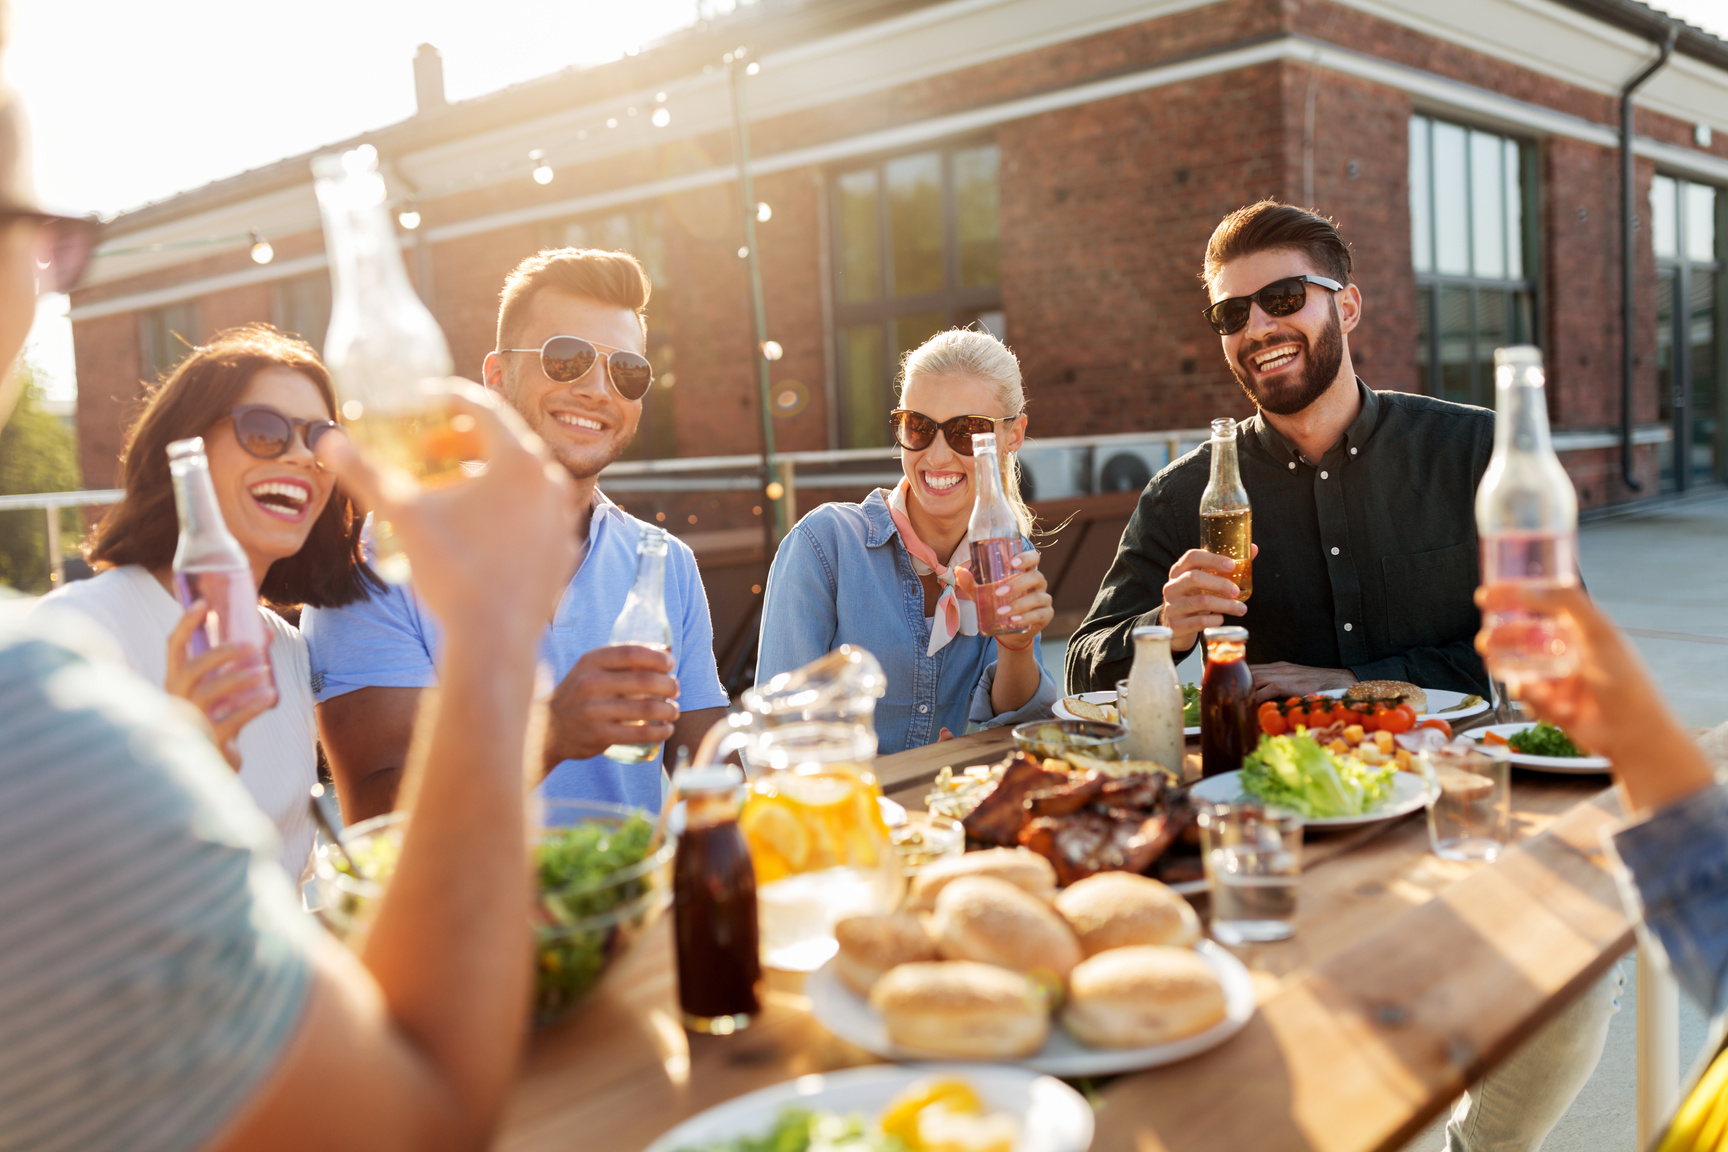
<point>392,641</point>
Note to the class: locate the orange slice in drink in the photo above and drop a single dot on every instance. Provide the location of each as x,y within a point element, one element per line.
<point>779,843</point>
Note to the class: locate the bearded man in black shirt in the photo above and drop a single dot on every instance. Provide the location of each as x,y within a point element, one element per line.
<point>1365,537</point>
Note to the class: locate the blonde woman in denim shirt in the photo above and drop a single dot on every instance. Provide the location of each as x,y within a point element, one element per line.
<point>890,573</point>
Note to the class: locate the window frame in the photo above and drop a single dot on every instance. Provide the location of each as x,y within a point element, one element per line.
<point>956,303</point>
<point>1431,282</point>
<point>1684,267</point>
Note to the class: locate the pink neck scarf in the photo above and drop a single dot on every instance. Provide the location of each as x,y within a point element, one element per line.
<point>956,615</point>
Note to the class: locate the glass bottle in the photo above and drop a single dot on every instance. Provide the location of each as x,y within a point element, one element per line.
<point>383,344</point>
<point>995,533</point>
<point>1226,701</point>
<point>1527,522</point>
<point>643,621</point>
<point>209,563</point>
<point>714,905</point>
<point>1152,708</point>
<point>1225,519</point>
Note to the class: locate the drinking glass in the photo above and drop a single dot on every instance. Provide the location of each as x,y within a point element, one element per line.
<point>1469,802</point>
<point>1253,858</point>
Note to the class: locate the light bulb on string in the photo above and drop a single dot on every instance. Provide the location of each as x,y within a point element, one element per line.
<point>661,118</point>
<point>743,252</point>
<point>754,69</point>
<point>763,212</point>
<point>659,97</point>
<point>262,253</point>
<point>542,170</point>
<point>612,122</point>
<point>771,350</point>
<point>409,217</point>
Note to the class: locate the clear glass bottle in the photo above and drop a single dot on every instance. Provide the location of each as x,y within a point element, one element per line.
<point>995,532</point>
<point>1152,708</point>
<point>209,563</point>
<point>1527,522</point>
<point>383,344</point>
<point>714,905</point>
<point>1226,523</point>
<point>1226,701</point>
<point>643,621</point>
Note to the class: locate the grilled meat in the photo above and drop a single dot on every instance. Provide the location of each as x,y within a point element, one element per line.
<point>1000,815</point>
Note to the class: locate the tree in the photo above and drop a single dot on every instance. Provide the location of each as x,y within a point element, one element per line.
<point>38,453</point>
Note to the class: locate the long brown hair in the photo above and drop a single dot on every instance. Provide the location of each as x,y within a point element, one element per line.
<point>142,529</point>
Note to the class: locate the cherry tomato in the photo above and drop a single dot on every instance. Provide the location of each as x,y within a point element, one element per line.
<point>1439,726</point>
<point>1271,723</point>
<point>1292,702</point>
<point>1399,719</point>
<point>1369,721</point>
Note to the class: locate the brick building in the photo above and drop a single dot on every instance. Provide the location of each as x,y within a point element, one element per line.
<point>1050,170</point>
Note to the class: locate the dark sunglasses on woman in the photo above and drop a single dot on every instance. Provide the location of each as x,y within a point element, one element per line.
<point>566,359</point>
<point>266,433</point>
<point>915,431</point>
<point>1280,298</point>
<point>63,246</point>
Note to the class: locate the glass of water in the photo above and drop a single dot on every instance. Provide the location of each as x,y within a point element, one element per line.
<point>1253,860</point>
<point>1469,802</point>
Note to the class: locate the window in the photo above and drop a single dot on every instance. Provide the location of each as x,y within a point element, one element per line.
<point>165,335</point>
<point>1470,195</point>
<point>916,250</point>
<point>1686,231</point>
<point>301,307</point>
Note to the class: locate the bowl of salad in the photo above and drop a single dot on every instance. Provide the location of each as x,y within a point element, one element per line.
<point>600,889</point>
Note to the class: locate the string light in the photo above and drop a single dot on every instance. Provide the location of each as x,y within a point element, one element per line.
<point>753,69</point>
<point>659,97</point>
<point>262,253</point>
<point>763,212</point>
<point>771,350</point>
<point>661,118</point>
<point>542,170</point>
<point>409,217</point>
<point>743,252</point>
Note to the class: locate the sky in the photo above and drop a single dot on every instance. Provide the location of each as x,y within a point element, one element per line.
<point>134,101</point>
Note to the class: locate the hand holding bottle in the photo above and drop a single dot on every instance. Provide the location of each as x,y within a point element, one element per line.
<point>1023,599</point>
<point>619,694</point>
<point>230,683</point>
<point>1199,594</point>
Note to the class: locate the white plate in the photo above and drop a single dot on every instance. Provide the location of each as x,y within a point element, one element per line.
<point>1109,697</point>
<point>1439,699</point>
<point>1053,1117</point>
<point>849,1016</point>
<point>1409,793</point>
<point>1565,765</point>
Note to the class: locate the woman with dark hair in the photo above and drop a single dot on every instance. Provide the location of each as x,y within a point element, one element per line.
<point>260,399</point>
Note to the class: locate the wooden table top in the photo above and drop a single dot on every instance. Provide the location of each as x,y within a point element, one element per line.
<point>1408,977</point>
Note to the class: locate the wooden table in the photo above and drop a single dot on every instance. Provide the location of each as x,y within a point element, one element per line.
<point>1408,978</point>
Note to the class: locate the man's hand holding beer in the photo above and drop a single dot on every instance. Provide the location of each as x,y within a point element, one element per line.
<point>1199,595</point>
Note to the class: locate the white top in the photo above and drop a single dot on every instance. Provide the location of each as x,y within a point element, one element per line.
<point>278,750</point>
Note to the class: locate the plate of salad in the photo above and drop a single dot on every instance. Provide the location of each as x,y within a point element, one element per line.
<point>1328,789</point>
<point>1102,706</point>
<point>1543,747</point>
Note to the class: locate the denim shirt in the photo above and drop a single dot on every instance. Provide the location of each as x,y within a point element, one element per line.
<point>1678,860</point>
<point>842,576</point>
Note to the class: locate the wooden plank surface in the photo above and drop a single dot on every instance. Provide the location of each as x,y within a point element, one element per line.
<point>1407,977</point>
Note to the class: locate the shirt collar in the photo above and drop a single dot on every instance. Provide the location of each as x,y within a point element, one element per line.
<point>876,515</point>
<point>1272,442</point>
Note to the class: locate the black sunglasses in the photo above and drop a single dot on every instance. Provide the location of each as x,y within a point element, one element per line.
<point>1279,298</point>
<point>266,433</point>
<point>62,249</point>
<point>915,431</point>
<point>566,359</point>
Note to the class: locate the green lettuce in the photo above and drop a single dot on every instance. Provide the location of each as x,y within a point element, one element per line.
<point>1295,772</point>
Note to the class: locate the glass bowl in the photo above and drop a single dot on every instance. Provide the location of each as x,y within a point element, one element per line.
<point>584,921</point>
<point>1054,739</point>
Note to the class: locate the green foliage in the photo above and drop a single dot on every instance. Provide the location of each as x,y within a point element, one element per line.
<point>38,453</point>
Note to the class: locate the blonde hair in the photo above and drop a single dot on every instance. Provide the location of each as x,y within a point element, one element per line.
<point>965,352</point>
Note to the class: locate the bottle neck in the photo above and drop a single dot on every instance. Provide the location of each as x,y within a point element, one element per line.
<point>1521,417</point>
<point>1224,474</point>
<point>205,542</point>
<point>365,259</point>
<point>650,570</point>
<point>992,518</point>
<point>1153,650</point>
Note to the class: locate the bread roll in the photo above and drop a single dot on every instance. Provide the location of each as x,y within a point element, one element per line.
<point>1135,997</point>
<point>1120,909</point>
<point>1023,869</point>
<point>989,920</point>
<point>962,1009</point>
<point>870,945</point>
<point>1390,691</point>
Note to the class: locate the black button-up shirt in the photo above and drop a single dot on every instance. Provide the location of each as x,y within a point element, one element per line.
<point>1368,558</point>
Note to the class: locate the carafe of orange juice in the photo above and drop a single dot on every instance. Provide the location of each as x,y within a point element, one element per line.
<point>817,838</point>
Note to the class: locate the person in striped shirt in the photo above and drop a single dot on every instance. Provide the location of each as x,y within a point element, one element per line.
<point>160,988</point>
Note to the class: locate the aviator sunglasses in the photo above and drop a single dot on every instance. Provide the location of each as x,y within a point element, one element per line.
<point>566,359</point>
<point>1279,298</point>
<point>915,431</point>
<point>266,433</point>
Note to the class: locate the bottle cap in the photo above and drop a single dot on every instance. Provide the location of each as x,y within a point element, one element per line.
<point>1517,355</point>
<point>707,780</point>
<point>193,446</point>
<point>1224,428</point>
<point>1229,633</point>
<point>983,442</point>
<point>1153,632</point>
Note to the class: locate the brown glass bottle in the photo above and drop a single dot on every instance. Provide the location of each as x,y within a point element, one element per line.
<point>714,908</point>
<point>1226,702</point>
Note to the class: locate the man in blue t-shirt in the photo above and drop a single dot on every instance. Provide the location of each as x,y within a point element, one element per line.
<point>571,359</point>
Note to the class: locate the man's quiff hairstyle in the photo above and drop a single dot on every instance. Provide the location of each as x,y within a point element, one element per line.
<point>1270,224</point>
<point>615,278</point>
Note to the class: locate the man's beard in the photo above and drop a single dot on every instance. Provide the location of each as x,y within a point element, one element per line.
<point>1320,361</point>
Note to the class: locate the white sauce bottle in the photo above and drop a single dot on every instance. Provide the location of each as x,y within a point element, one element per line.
<point>1152,709</point>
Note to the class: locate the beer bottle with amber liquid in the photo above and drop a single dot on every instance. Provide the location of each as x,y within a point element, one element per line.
<point>1225,521</point>
<point>383,344</point>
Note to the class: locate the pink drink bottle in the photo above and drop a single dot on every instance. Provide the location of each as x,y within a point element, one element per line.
<point>209,563</point>
<point>1527,521</point>
<point>995,532</point>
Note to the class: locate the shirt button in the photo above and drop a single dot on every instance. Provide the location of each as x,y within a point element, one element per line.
<point>1325,475</point>
<point>1347,627</point>
<point>1292,465</point>
<point>925,708</point>
<point>1352,451</point>
<point>1334,551</point>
